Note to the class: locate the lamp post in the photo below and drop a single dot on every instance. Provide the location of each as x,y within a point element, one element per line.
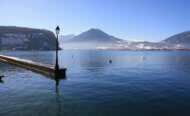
<point>57,44</point>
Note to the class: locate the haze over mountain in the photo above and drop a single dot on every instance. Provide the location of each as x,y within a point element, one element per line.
<point>97,39</point>
<point>91,39</point>
<point>63,38</point>
<point>20,38</point>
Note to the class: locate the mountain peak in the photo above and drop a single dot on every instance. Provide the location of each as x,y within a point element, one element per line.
<point>94,30</point>
<point>94,35</point>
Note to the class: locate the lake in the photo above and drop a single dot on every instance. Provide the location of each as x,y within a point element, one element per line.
<point>130,85</point>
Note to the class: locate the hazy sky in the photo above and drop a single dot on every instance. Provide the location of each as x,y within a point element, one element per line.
<point>151,20</point>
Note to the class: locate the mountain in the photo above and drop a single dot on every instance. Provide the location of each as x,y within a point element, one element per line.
<point>97,39</point>
<point>178,41</point>
<point>91,39</point>
<point>93,35</point>
<point>183,37</point>
<point>22,38</point>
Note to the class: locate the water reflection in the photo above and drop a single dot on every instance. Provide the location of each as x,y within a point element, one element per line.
<point>4,67</point>
<point>1,81</point>
<point>57,81</point>
<point>95,61</point>
<point>137,86</point>
<point>58,99</point>
<point>59,107</point>
<point>179,60</point>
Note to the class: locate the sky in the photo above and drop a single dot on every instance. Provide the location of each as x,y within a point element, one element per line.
<point>149,20</point>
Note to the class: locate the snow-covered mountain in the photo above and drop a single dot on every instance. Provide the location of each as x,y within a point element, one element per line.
<point>19,38</point>
<point>97,39</point>
<point>183,37</point>
<point>178,41</point>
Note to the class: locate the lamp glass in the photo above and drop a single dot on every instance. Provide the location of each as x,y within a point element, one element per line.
<point>57,30</point>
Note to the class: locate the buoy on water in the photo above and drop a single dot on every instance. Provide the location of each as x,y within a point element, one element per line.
<point>110,61</point>
<point>100,58</point>
<point>143,57</point>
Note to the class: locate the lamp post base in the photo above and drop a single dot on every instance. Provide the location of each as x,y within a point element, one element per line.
<point>60,73</point>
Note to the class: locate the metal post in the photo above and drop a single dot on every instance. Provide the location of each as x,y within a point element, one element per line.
<point>57,65</point>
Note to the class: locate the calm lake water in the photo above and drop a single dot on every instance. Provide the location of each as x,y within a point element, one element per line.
<point>157,85</point>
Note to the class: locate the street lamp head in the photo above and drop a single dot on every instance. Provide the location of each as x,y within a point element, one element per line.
<point>57,30</point>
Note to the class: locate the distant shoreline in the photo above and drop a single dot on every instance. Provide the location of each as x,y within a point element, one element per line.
<point>101,50</point>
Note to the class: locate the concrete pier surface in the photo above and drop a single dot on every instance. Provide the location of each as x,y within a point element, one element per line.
<point>37,67</point>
